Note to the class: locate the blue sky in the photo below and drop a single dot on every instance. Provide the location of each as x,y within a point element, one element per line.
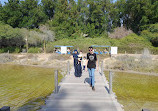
<point>2,1</point>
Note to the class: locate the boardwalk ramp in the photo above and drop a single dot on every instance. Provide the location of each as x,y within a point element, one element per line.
<point>75,94</point>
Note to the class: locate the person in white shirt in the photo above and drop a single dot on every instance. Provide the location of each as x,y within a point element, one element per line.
<point>84,62</point>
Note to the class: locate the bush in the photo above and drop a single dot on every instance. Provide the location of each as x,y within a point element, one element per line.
<point>79,43</point>
<point>150,32</point>
<point>154,50</point>
<point>151,28</point>
<point>4,58</point>
<point>1,50</point>
<point>10,49</point>
<point>131,44</point>
<point>10,36</point>
<point>120,32</point>
<point>34,50</point>
<point>17,50</point>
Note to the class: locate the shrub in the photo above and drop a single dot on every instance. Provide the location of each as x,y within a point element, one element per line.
<point>150,32</point>
<point>79,43</point>
<point>133,43</point>
<point>17,50</point>
<point>34,50</point>
<point>143,63</point>
<point>120,32</point>
<point>4,58</point>
<point>151,28</point>
<point>10,49</point>
<point>1,51</point>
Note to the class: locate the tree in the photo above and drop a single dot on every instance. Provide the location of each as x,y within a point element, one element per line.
<point>97,18</point>
<point>10,13</point>
<point>61,20</point>
<point>10,37</point>
<point>33,15</point>
<point>49,7</point>
<point>28,14</point>
<point>139,13</point>
<point>47,35</point>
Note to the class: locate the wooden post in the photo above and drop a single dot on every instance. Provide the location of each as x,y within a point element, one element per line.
<point>56,81</point>
<point>102,68</point>
<point>110,82</point>
<point>68,67</point>
<point>27,45</point>
<point>44,45</point>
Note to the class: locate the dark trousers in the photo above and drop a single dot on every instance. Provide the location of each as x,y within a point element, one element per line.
<point>84,67</point>
<point>78,70</point>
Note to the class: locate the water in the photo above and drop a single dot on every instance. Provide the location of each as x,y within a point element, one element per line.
<point>135,91</point>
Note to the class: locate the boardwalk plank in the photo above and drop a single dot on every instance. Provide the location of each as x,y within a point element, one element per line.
<point>75,94</point>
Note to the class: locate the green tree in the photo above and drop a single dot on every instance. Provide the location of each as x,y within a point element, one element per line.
<point>26,13</point>
<point>83,11</point>
<point>10,37</point>
<point>10,13</point>
<point>60,21</point>
<point>139,13</point>
<point>33,15</point>
<point>150,32</point>
<point>97,18</point>
<point>49,7</point>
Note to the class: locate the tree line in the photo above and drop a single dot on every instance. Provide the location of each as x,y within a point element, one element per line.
<point>71,17</point>
<point>74,18</point>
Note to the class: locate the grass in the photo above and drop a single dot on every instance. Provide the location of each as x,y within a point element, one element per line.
<point>136,91</point>
<point>21,84</point>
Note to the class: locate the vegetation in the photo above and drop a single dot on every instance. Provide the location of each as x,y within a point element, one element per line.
<point>150,32</point>
<point>145,62</point>
<point>21,87</point>
<point>135,91</point>
<point>131,43</point>
<point>34,50</point>
<point>29,23</point>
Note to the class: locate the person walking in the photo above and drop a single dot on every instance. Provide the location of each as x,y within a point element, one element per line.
<point>75,56</point>
<point>77,64</point>
<point>84,63</point>
<point>79,67</point>
<point>91,65</point>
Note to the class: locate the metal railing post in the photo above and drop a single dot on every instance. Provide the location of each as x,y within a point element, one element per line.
<point>98,61</point>
<point>68,67</point>
<point>56,81</point>
<point>110,82</point>
<point>102,68</point>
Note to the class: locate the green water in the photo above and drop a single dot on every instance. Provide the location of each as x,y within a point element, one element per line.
<point>25,87</point>
<point>135,91</point>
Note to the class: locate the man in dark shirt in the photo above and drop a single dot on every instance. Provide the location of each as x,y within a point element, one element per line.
<point>92,64</point>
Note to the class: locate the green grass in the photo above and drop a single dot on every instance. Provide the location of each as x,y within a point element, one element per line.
<point>21,84</point>
<point>136,91</point>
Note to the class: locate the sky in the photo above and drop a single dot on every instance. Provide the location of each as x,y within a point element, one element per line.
<point>2,1</point>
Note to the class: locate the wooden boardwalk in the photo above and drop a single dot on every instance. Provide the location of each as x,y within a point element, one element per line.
<point>75,94</point>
